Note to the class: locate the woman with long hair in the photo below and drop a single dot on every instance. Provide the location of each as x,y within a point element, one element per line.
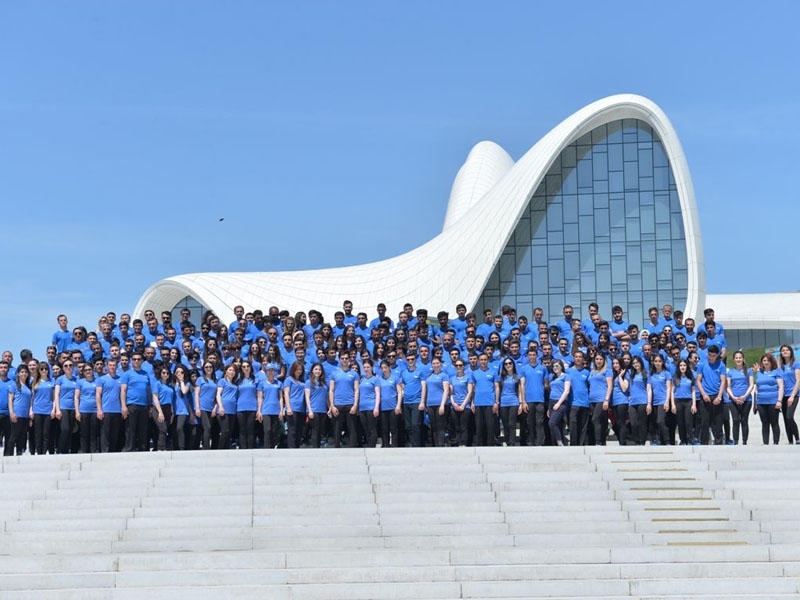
<point>435,393</point>
<point>684,399</point>
<point>619,400</point>
<point>369,403</point>
<point>206,404</point>
<point>43,408</point>
<point>790,371</point>
<point>64,399</point>
<point>19,411</point>
<point>247,405</point>
<point>183,407</point>
<point>769,396</point>
<point>740,390</point>
<point>317,403</point>
<point>269,412</point>
<point>164,396</point>
<point>512,399</point>
<point>294,404</point>
<point>273,357</point>
<point>86,410</point>
<point>559,386</point>
<point>600,389</point>
<point>391,406</point>
<point>462,386</point>
<point>637,402</point>
<point>227,398</point>
<point>659,394</point>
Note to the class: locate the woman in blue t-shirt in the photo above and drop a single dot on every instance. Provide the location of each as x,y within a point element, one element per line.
<point>43,409</point>
<point>391,406</point>
<point>637,401</point>
<point>435,393</point>
<point>769,396</point>
<point>659,399</point>
<point>19,410</point>
<point>64,399</point>
<point>247,405</point>
<point>227,396</point>
<point>559,387</point>
<point>164,396</point>
<point>601,386</point>
<point>739,390</point>
<point>790,371</point>
<point>294,403</point>
<point>462,386</point>
<point>184,414</point>
<point>369,403</point>
<point>619,400</point>
<point>270,414</point>
<point>317,403</point>
<point>206,405</point>
<point>684,399</point>
<point>512,400</point>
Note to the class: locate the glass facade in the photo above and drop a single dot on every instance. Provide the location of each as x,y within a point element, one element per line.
<point>605,225</point>
<point>760,338</point>
<point>193,305</point>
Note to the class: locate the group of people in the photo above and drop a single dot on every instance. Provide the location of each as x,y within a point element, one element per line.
<point>273,379</point>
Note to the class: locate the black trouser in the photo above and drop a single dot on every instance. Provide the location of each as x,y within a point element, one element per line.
<point>671,420</point>
<point>438,425</point>
<point>621,423</point>
<point>508,417</point>
<point>272,430</point>
<point>557,421</point>
<point>726,421</point>
<point>578,425</point>
<point>296,424</point>
<point>390,429</point>
<point>460,420</point>
<point>702,421</point>
<point>19,435</point>
<point>183,432</point>
<point>138,425</point>
<point>207,422</point>
<point>484,426</point>
<point>90,433</point>
<point>164,429</point>
<point>715,411</point>
<point>685,419</point>
<point>741,417</point>
<point>535,419</point>
<point>225,429</point>
<point>769,420</point>
<point>247,428</point>
<point>412,418</point>
<point>65,436</point>
<point>599,423</point>
<point>658,421</point>
<point>370,426</point>
<point>318,427</point>
<point>110,432</point>
<point>41,433</point>
<point>345,420</point>
<point>638,416</point>
<point>789,424</point>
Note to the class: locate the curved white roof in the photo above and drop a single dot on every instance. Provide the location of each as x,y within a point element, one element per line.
<point>488,182</point>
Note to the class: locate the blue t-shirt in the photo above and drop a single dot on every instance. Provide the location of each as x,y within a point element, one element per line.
<point>248,400</point>
<point>297,394</point>
<point>22,401</point>
<point>388,391</point>
<point>618,397</point>
<point>579,386</point>
<point>739,381</point>
<point>165,393</point>
<point>460,387</point>
<point>412,385</point>
<point>66,395</point>
<point>434,386</point>
<point>344,387</point>
<point>109,394</point>
<point>534,382</point>
<point>318,397</point>
<point>230,395</point>
<point>767,386</point>
<point>366,393</point>
<point>271,390</point>
<point>88,397</point>
<point>638,390</point>
<point>683,388</point>
<point>139,387</point>
<point>598,386</point>
<point>484,386</point>
<point>557,385</point>
<point>789,378</point>
<point>43,398</point>
<point>184,403</point>
<point>712,376</point>
<point>658,385</point>
<point>208,393</point>
<point>509,387</point>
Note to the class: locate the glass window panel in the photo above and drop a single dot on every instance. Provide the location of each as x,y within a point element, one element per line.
<point>555,238</point>
<point>631,176</point>
<point>587,227</point>
<point>539,224</point>
<point>585,204</point>
<point>632,231</point>
<point>632,205</point>
<point>647,219</point>
<point>539,275</point>
<point>571,235</point>
<point>600,167</point>
<point>555,217</point>
<point>587,257</point>
<point>507,269</point>
<point>602,254</point>
<point>588,282</point>
<point>522,234</point>
<point>645,183</point>
<point>539,257</point>
<point>645,162</point>
<point>629,127</point>
<point>617,212</point>
<point>674,202</point>
<point>552,183</point>
<point>524,284</point>
<point>603,278</point>
<point>664,265</point>
<point>648,251</point>
<point>567,158</point>
<point>634,258</point>
<point>646,197</point>
<point>585,139</point>
<point>634,282</point>
<point>570,185</point>
<point>601,228</point>
<point>616,182</point>
<point>571,268</point>
<point>615,157</point>
<point>555,251</point>
<point>659,156</point>
<point>570,208</point>
<point>572,287</point>
<point>600,186</point>
<point>648,276</point>
<point>630,152</point>
<point>663,232</point>
<point>617,248</point>
<point>645,132</point>
<point>599,134</point>
<point>661,178</point>
<point>619,273</point>
<point>614,132</point>
<point>662,209</point>
<point>617,234</point>
<point>600,198</point>
<point>585,173</point>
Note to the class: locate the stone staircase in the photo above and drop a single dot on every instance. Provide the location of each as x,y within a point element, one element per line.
<point>611,522</point>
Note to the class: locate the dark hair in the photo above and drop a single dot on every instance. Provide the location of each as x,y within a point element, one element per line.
<point>676,379</point>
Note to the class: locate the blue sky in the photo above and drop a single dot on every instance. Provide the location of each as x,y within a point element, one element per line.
<point>327,133</point>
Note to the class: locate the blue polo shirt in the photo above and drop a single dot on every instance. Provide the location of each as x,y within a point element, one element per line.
<point>139,385</point>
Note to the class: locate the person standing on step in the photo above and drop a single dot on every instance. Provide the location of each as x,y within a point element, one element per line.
<point>769,396</point>
<point>659,400</point>
<point>684,399</point>
<point>790,371</point>
<point>711,382</point>
<point>740,389</point>
<point>601,384</point>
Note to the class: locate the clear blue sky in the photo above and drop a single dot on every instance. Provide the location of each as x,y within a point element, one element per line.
<point>128,129</point>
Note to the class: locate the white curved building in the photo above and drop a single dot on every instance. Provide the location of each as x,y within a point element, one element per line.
<point>601,209</point>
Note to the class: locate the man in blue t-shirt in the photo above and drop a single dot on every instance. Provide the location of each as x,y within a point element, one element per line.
<point>711,383</point>
<point>135,394</point>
